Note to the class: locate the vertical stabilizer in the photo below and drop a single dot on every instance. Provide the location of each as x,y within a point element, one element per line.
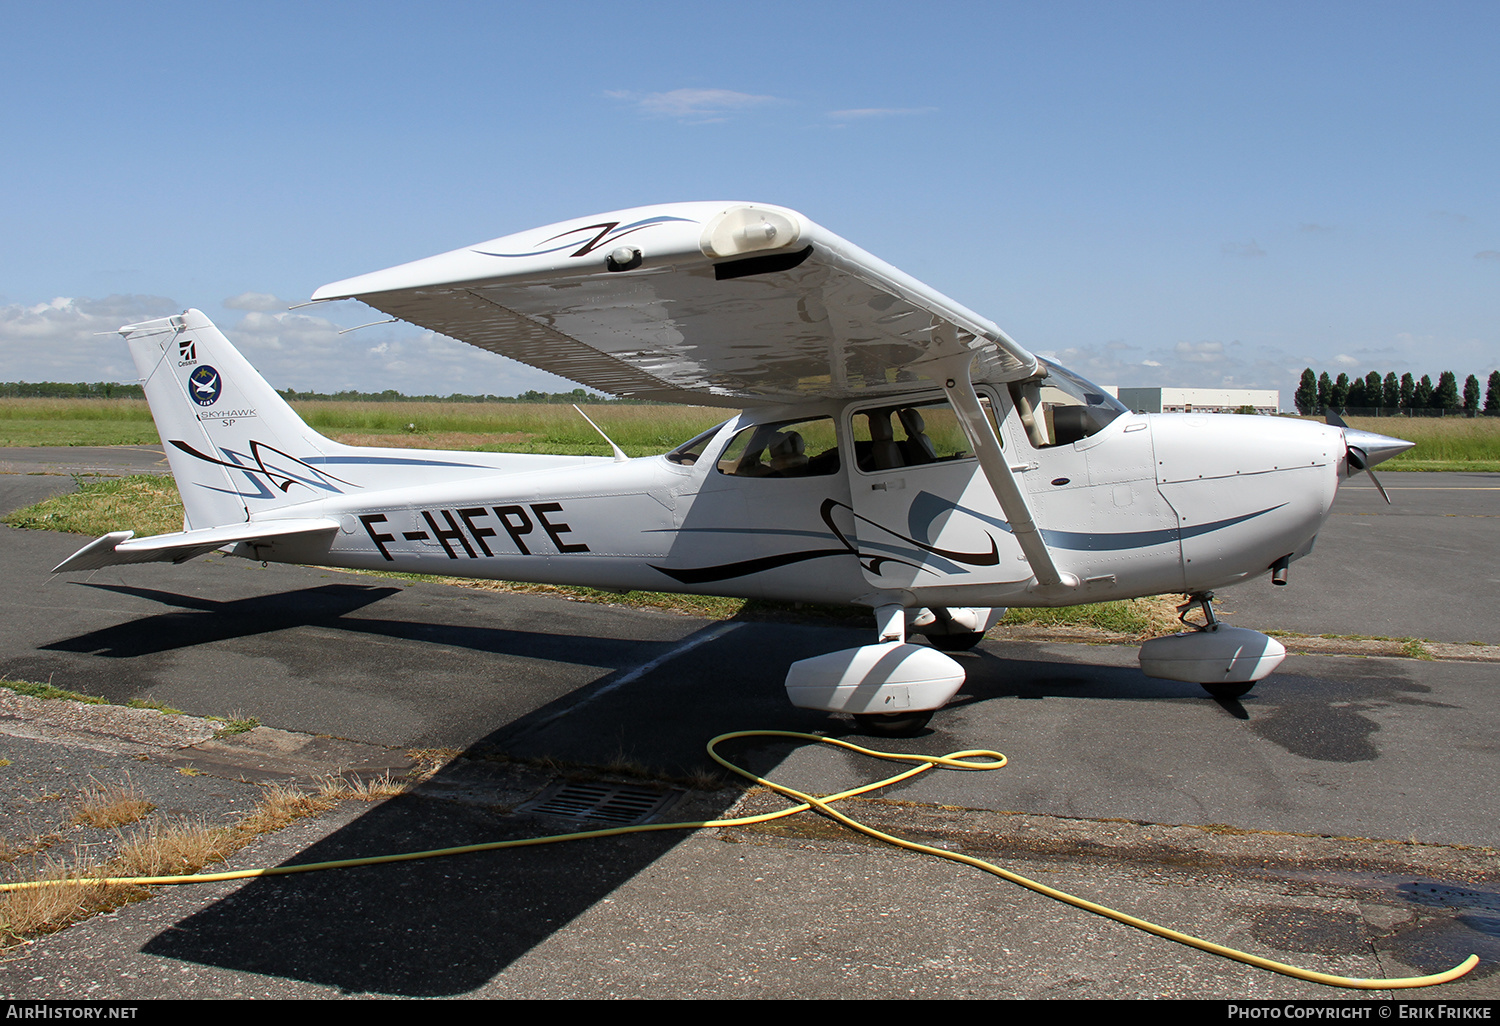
<point>230,439</point>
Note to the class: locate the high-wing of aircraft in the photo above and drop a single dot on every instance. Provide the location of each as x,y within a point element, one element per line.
<point>892,450</point>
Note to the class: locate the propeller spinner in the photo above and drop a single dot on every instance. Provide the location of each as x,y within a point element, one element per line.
<point>1366,448</point>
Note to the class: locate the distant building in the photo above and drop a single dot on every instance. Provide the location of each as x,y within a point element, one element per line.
<point>1200,400</point>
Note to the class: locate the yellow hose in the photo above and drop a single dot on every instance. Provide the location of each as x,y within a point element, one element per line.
<point>974,759</point>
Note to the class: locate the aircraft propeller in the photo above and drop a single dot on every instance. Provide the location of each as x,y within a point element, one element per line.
<point>1366,448</point>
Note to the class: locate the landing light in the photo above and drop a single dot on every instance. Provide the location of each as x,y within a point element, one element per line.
<point>623,258</point>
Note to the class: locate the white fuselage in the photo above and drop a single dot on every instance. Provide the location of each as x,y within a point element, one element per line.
<point>1150,504</point>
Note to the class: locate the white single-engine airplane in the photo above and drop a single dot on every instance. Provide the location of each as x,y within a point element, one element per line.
<point>895,451</point>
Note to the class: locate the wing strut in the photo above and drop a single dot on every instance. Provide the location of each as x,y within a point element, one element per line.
<point>955,375</point>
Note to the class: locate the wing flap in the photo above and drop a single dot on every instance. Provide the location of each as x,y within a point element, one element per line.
<point>117,547</point>
<point>720,304</point>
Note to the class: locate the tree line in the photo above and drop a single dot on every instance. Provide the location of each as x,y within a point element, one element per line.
<point>390,395</point>
<point>114,390</point>
<point>1396,397</point>
<point>69,390</point>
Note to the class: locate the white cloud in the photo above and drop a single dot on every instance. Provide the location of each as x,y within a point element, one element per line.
<point>72,339</point>
<point>303,350</point>
<point>695,105</point>
<point>1252,364</point>
<point>1199,352</point>
<point>1410,341</point>
<point>1203,364</point>
<point>1487,254</point>
<point>262,301</point>
<point>862,113</point>
<point>1250,249</point>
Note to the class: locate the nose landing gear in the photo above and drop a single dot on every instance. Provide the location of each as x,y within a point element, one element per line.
<point>1226,660</point>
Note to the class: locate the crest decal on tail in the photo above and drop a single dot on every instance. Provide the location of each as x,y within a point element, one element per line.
<point>205,385</point>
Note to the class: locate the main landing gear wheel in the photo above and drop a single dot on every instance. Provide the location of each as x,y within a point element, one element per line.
<point>903,724</point>
<point>961,642</point>
<point>1228,690</point>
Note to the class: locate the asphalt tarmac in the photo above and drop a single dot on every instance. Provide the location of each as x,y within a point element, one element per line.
<point>1340,816</point>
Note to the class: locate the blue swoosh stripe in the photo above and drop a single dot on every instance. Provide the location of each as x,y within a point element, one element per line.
<point>389,461</point>
<point>613,234</point>
<point>1080,541</point>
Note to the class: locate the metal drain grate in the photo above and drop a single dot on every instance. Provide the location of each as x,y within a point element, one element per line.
<point>619,804</point>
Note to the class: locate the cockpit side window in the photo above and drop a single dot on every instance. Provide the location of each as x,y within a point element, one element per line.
<point>793,448</point>
<point>1060,408</point>
<point>689,452</point>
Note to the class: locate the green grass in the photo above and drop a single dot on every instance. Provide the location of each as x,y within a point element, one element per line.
<point>1443,443</point>
<point>1142,617</point>
<point>488,427</point>
<point>76,422</point>
<point>147,703</point>
<point>47,691</point>
<point>34,690</point>
<point>235,724</point>
<point>144,503</point>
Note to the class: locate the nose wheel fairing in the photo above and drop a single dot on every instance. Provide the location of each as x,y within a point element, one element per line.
<point>1226,660</point>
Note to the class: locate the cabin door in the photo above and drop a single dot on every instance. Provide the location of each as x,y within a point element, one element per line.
<point>923,513</point>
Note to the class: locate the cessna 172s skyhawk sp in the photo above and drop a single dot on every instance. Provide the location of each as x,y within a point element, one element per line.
<point>895,451</point>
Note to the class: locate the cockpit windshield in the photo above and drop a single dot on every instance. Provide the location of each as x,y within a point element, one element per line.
<point>1061,408</point>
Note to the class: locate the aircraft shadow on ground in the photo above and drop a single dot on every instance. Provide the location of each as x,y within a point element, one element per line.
<point>448,926</point>
<point>199,621</point>
<point>422,929</point>
<point>1325,719</point>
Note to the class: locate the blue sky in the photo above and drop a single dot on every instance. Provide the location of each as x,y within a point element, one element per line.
<point>1156,193</point>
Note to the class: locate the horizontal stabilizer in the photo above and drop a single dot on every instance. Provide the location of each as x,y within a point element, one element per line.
<point>120,547</point>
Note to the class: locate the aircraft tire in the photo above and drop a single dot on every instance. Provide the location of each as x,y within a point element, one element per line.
<point>1228,690</point>
<point>893,724</point>
<point>955,642</point>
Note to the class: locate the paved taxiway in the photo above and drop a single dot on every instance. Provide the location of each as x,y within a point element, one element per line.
<point>1402,750</point>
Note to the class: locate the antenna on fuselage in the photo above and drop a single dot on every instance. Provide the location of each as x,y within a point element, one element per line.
<point>620,456</point>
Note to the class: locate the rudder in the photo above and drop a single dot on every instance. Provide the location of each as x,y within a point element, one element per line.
<point>230,439</point>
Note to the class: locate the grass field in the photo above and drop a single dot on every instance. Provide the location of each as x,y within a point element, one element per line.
<point>491,427</point>
<point>1443,443</point>
<point>144,503</point>
<point>76,422</point>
